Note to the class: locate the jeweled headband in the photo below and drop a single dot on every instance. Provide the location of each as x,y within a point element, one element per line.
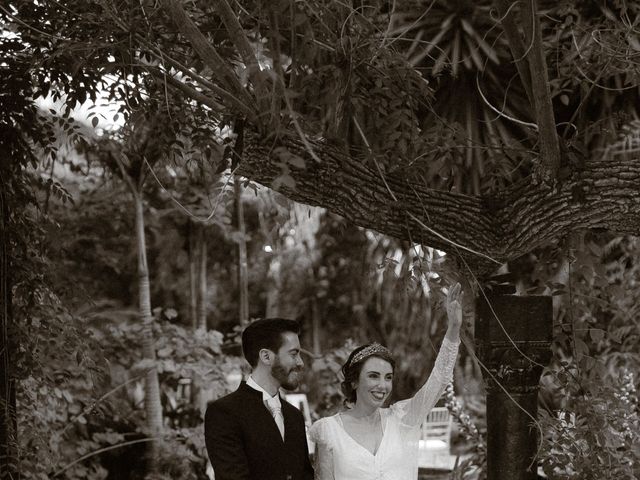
<point>373,349</point>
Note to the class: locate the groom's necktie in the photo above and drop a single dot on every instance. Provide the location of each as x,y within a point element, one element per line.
<point>273,404</point>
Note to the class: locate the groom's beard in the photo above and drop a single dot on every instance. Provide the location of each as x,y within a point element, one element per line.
<point>289,378</point>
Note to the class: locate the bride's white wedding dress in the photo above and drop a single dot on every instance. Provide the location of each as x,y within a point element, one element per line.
<point>340,457</point>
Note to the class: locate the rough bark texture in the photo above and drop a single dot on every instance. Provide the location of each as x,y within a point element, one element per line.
<point>516,45</point>
<point>153,407</point>
<point>605,194</point>
<point>549,161</point>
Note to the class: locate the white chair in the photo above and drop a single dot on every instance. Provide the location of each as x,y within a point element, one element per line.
<point>435,441</point>
<point>299,400</point>
<point>436,430</point>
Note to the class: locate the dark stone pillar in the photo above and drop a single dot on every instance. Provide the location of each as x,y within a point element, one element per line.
<point>515,363</point>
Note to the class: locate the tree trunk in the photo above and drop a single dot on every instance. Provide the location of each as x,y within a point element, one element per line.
<point>8,426</point>
<point>153,406</point>
<point>243,277</point>
<point>193,276</point>
<point>316,326</point>
<point>272,287</point>
<point>202,278</point>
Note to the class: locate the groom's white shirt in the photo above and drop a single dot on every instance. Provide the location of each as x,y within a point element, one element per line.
<point>266,398</point>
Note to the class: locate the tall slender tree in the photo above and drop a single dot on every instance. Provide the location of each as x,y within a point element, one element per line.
<point>241,240</point>
<point>202,277</point>
<point>130,156</point>
<point>192,232</point>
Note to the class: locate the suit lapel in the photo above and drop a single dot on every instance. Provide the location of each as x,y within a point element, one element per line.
<point>289,420</point>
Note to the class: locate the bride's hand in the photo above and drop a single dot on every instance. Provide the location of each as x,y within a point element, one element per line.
<point>454,311</point>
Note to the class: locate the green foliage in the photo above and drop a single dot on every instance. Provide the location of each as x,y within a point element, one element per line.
<point>395,299</point>
<point>181,353</point>
<point>590,409</point>
<point>597,434</point>
<point>469,143</point>
<point>177,459</point>
<point>323,382</point>
<point>419,89</point>
<point>597,68</point>
<point>476,463</point>
<point>81,373</point>
<point>60,374</point>
<point>91,243</point>
<point>31,313</point>
<point>83,403</point>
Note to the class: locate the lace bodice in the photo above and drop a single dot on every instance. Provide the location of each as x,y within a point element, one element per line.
<point>340,457</point>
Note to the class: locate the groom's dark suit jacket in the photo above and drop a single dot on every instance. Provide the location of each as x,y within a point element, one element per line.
<point>244,443</point>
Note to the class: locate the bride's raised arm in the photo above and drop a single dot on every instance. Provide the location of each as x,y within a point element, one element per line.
<point>413,411</point>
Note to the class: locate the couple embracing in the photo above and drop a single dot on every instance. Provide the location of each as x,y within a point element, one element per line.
<point>254,434</point>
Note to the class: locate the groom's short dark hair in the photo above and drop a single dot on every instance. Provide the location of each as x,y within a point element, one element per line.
<point>266,333</point>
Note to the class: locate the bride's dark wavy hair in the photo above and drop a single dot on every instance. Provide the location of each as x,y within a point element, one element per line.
<point>351,370</point>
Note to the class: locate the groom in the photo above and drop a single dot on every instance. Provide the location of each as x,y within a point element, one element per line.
<point>253,433</point>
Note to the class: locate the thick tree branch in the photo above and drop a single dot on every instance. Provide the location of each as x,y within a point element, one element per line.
<point>357,192</point>
<point>525,217</point>
<point>549,162</point>
<point>204,49</point>
<point>604,195</point>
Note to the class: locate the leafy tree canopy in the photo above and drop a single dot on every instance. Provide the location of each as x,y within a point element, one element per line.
<point>485,129</point>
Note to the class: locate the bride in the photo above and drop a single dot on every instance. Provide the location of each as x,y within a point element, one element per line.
<point>366,441</point>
